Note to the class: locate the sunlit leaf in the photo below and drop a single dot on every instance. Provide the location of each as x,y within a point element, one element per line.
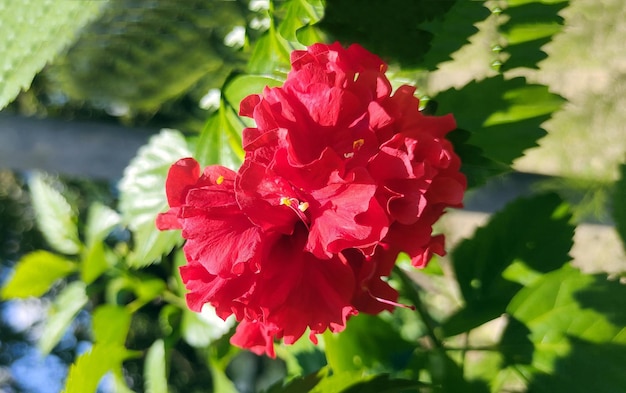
<point>241,86</point>
<point>299,13</point>
<point>155,369</point>
<point>35,273</point>
<point>220,141</point>
<point>61,314</point>
<point>101,219</point>
<point>110,324</point>
<point>534,233</point>
<point>270,54</point>
<point>452,31</point>
<point>201,329</point>
<point>143,196</point>
<point>576,324</point>
<point>33,32</point>
<point>55,217</point>
<point>504,116</point>
<point>90,367</point>
<point>94,262</point>
<point>530,26</point>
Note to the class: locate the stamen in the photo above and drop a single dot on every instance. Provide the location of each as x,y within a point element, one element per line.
<point>297,207</point>
<point>219,180</point>
<point>356,145</point>
<point>391,303</point>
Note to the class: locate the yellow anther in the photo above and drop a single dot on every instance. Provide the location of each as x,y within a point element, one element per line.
<point>219,180</point>
<point>285,201</point>
<point>303,206</point>
<point>356,145</point>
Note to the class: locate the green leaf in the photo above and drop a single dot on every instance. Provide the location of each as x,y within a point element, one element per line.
<point>298,14</point>
<point>299,384</point>
<point>142,196</point>
<point>451,32</point>
<point>241,86</point>
<point>101,219</point>
<point>530,26</point>
<point>619,205</point>
<point>392,29</point>
<point>155,368</point>
<point>576,324</point>
<point>504,116</point>
<point>529,235</point>
<point>33,33</point>
<point>220,140</point>
<point>138,56</point>
<point>55,217</point>
<point>367,342</point>
<point>221,382</point>
<point>201,329</point>
<point>63,311</point>
<point>474,165</point>
<point>35,273</point>
<point>85,374</point>
<point>357,382</point>
<point>271,53</point>
<point>93,263</point>
<point>110,324</point>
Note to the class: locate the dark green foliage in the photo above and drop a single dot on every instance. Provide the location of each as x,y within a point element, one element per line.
<point>619,204</point>
<point>530,26</point>
<point>540,244</point>
<point>140,53</point>
<point>504,116</point>
<point>391,29</point>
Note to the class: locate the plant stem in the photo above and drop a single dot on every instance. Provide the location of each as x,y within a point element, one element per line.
<point>412,293</point>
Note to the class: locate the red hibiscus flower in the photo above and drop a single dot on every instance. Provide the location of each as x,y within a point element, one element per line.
<point>340,176</point>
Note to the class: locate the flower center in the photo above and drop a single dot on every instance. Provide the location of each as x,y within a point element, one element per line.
<point>297,207</point>
<point>356,146</point>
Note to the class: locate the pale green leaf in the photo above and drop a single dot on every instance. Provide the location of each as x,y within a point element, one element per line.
<point>93,263</point>
<point>143,196</point>
<point>201,329</point>
<point>33,32</point>
<point>110,324</point>
<point>155,368</point>
<point>88,370</point>
<point>242,86</point>
<point>101,219</point>
<point>55,217</point>
<point>61,314</point>
<point>35,273</point>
